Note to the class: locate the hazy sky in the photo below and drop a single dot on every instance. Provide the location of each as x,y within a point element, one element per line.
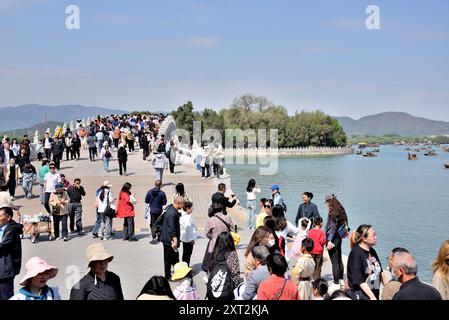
<point>156,55</point>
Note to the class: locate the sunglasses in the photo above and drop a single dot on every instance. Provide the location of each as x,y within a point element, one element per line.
<point>268,207</point>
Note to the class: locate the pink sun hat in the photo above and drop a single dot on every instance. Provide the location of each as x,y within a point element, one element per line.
<point>37,265</point>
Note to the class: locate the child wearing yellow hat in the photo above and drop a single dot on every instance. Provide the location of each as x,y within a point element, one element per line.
<point>187,289</point>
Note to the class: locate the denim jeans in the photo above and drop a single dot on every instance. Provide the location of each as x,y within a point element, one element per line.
<point>106,164</point>
<point>27,186</point>
<point>42,194</point>
<point>97,225</point>
<point>251,206</point>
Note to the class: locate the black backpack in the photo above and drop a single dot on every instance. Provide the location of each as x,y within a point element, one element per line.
<point>220,285</point>
<point>107,154</point>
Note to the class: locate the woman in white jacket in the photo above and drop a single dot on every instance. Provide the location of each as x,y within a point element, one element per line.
<point>188,231</point>
<point>103,198</point>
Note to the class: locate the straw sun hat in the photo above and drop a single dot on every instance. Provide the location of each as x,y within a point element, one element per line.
<point>97,252</point>
<point>181,270</point>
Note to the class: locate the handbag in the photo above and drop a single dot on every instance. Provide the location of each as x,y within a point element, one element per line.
<point>235,236</point>
<point>343,231</point>
<point>109,211</point>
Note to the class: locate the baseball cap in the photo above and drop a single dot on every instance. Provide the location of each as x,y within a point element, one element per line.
<point>275,187</point>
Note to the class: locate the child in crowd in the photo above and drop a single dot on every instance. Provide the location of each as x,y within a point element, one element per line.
<point>304,269</point>
<point>188,231</point>
<point>187,289</point>
<point>319,239</point>
<point>319,290</point>
<point>40,150</point>
<point>304,224</point>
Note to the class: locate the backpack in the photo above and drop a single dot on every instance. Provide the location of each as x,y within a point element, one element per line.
<point>220,285</point>
<point>107,154</point>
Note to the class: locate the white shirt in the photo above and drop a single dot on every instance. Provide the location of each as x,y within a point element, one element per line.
<point>52,181</point>
<point>103,204</point>
<point>47,144</point>
<point>99,135</point>
<point>252,195</point>
<point>188,228</point>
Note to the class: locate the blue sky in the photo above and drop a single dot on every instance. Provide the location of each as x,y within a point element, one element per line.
<point>304,55</point>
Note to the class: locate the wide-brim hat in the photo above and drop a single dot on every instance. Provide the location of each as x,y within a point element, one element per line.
<point>97,252</point>
<point>106,183</point>
<point>35,266</point>
<point>181,270</point>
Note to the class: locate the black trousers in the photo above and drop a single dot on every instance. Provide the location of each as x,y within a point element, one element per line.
<point>57,160</point>
<point>146,153</point>
<point>122,166</point>
<point>187,249</point>
<point>6,288</point>
<point>12,187</point>
<point>170,259</point>
<point>56,221</point>
<point>336,259</point>
<point>46,200</point>
<point>39,156</point>
<point>68,152</point>
<point>130,144</point>
<point>128,227</point>
<point>116,142</point>
<point>92,154</point>
<point>47,153</point>
<point>172,165</point>
<point>154,217</point>
<point>76,153</point>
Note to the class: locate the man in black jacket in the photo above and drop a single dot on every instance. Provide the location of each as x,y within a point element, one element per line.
<point>58,151</point>
<point>170,234</point>
<point>219,197</point>
<point>156,199</point>
<point>10,252</point>
<point>76,193</point>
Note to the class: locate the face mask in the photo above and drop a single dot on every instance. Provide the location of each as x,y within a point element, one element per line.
<point>271,243</point>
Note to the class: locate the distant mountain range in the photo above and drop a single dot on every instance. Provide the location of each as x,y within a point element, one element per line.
<point>29,115</point>
<point>41,127</point>
<point>396,123</point>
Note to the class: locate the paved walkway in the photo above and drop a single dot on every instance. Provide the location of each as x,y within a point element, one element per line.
<point>134,262</point>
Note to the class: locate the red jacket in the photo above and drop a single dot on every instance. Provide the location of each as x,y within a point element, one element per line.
<point>125,209</point>
<point>319,240</point>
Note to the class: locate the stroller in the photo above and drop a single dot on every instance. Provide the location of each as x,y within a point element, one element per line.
<point>35,225</point>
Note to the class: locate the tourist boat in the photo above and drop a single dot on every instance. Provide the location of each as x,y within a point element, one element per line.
<point>359,153</point>
<point>446,165</point>
<point>376,150</point>
<point>370,154</point>
<point>412,157</point>
<point>430,154</point>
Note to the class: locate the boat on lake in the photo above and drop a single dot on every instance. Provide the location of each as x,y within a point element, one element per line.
<point>412,156</point>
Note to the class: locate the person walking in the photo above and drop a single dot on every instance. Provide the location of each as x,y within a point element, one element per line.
<point>42,172</point>
<point>92,144</point>
<point>251,204</point>
<point>58,151</point>
<point>116,137</point>
<point>307,209</point>
<point>105,200</point>
<point>188,231</point>
<point>277,197</point>
<point>51,179</point>
<point>76,192</point>
<point>10,252</point>
<point>48,145</point>
<point>160,162</point>
<point>106,156</point>
<point>170,235</point>
<point>336,219</point>
<point>76,146</point>
<point>99,283</point>
<point>29,177</point>
<point>122,156</point>
<point>68,147</point>
<point>12,176</point>
<point>180,192</point>
<point>155,200</point>
<point>171,155</point>
<point>440,268</point>
<point>59,203</point>
<point>125,210</point>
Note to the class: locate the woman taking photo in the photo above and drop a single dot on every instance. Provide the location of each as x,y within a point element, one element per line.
<point>251,195</point>
<point>125,210</point>
<point>336,219</point>
<point>440,268</point>
<point>364,268</point>
<point>105,199</point>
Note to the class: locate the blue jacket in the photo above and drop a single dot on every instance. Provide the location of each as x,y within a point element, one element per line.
<point>156,198</point>
<point>11,250</point>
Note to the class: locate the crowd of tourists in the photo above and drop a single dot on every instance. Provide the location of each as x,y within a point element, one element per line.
<point>283,259</point>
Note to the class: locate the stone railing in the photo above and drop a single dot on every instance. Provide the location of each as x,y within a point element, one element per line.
<point>289,152</point>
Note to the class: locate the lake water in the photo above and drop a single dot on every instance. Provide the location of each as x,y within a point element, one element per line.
<point>406,201</point>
